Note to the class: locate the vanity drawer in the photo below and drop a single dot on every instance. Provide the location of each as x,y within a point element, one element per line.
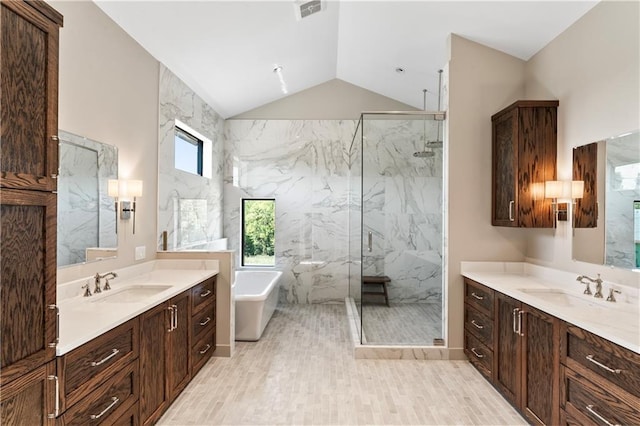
<point>479,325</point>
<point>107,403</point>
<point>584,400</point>
<point>203,321</point>
<point>479,296</point>
<point>600,360</point>
<point>130,417</point>
<point>479,355</point>
<point>202,351</point>
<point>203,293</point>
<point>84,368</point>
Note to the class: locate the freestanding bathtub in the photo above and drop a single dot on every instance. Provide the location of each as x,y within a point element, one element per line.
<point>256,297</point>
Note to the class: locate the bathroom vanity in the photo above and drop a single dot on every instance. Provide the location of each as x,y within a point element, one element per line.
<point>558,355</point>
<point>127,353</point>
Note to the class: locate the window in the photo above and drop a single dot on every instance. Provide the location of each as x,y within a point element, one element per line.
<point>188,152</point>
<point>258,232</point>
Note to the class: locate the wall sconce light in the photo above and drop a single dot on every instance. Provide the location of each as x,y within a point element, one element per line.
<point>125,193</point>
<point>563,190</point>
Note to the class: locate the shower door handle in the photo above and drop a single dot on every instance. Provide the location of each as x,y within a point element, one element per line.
<point>370,242</point>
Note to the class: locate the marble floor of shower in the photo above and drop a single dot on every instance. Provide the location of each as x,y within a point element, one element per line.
<point>415,324</point>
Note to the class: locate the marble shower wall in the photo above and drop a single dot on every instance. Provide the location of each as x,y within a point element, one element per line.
<point>403,205</point>
<point>189,206</point>
<point>86,216</point>
<point>304,166</point>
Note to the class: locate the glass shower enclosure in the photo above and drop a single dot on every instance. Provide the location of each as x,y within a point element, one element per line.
<point>396,227</point>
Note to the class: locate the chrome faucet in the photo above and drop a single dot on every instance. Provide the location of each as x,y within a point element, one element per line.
<point>87,291</point>
<point>597,281</point>
<point>106,276</point>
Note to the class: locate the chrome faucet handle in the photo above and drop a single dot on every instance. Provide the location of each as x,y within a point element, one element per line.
<point>580,280</point>
<point>106,285</point>
<point>87,291</point>
<point>97,289</point>
<point>611,297</point>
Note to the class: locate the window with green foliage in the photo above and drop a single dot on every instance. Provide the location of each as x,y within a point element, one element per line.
<point>258,232</point>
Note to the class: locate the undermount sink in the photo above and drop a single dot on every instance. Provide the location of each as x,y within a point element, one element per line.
<point>559,297</point>
<point>132,294</point>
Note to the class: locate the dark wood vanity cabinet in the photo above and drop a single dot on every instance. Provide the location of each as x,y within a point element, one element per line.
<point>524,148</point>
<point>203,323</point>
<point>28,169</point>
<point>165,364</point>
<point>600,381</point>
<point>523,346</point>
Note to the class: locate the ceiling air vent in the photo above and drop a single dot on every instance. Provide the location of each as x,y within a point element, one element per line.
<point>306,8</point>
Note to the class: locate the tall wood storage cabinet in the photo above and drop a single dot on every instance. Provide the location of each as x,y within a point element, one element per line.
<point>524,150</point>
<point>28,169</point>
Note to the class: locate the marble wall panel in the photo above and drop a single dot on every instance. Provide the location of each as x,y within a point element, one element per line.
<point>178,101</point>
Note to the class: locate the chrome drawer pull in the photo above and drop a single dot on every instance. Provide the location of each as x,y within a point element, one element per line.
<point>515,326</point>
<point>609,369</point>
<point>56,413</point>
<point>476,353</point>
<point>511,218</point>
<point>205,322</point>
<point>477,297</point>
<point>114,352</point>
<point>602,419</point>
<point>477,325</point>
<point>205,294</point>
<point>55,343</point>
<point>204,351</point>
<point>97,416</point>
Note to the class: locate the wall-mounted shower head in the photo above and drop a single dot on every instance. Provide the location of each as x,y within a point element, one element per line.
<point>423,154</point>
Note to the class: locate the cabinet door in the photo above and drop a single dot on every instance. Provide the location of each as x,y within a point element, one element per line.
<point>28,288</point>
<point>154,326</point>
<point>30,400</point>
<point>178,366</point>
<point>540,366</point>
<point>507,348</point>
<point>29,102</point>
<point>505,166</point>
<point>585,168</point>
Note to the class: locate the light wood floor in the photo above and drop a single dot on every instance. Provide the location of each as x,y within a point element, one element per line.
<point>302,372</point>
<point>401,324</point>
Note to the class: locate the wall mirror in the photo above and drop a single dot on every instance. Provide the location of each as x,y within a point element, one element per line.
<point>606,221</point>
<point>86,214</point>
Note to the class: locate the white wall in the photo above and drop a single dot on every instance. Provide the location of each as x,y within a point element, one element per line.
<point>593,68</point>
<point>481,81</point>
<point>108,92</point>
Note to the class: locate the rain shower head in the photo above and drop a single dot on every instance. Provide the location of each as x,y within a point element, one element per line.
<point>429,146</point>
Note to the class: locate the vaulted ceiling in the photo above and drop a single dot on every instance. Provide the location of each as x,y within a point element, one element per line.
<point>227,50</point>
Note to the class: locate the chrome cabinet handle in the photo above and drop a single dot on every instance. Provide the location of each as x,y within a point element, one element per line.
<point>205,294</point>
<point>370,242</point>
<point>204,351</point>
<point>476,353</point>
<point>520,323</point>
<point>601,365</point>
<point>511,218</point>
<point>602,419</point>
<point>205,322</point>
<point>175,317</point>
<point>170,308</point>
<point>97,416</point>
<point>56,412</point>
<point>477,297</point>
<point>114,352</point>
<point>477,325</point>
<point>514,313</point>
<point>55,343</point>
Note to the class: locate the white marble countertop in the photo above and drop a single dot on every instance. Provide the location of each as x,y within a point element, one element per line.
<point>618,322</point>
<point>84,318</point>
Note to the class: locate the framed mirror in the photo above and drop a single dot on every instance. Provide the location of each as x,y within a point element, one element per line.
<point>86,214</point>
<point>606,221</point>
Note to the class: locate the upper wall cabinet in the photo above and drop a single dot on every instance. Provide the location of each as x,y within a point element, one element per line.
<point>524,157</point>
<point>29,103</point>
